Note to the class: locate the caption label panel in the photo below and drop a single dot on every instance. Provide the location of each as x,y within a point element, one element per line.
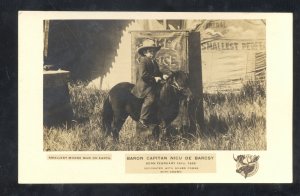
<point>79,156</point>
<point>170,163</point>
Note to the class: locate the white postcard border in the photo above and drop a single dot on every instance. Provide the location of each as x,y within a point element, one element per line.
<point>275,164</point>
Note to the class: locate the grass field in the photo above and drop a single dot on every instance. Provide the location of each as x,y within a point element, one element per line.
<point>233,121</point>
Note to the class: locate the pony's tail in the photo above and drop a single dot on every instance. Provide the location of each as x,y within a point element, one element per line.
<point>107,116</point>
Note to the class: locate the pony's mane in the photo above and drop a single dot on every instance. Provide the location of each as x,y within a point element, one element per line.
<point>172,75</point>
<point>179,76</point>
<point>170,78</point>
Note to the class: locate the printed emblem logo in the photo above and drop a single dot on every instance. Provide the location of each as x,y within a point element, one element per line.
<point>246,165</point>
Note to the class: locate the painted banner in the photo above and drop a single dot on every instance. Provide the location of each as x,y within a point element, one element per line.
<point>172,55</point>
<point>227,64</point>
<point>233,45</point>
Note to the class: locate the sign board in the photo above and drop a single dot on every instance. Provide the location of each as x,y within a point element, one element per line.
<point>172,55</point>
<point>233,45</point>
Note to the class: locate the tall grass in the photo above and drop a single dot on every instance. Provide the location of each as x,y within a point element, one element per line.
<point>233,121</point>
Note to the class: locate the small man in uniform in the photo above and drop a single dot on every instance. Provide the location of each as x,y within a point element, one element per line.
<point>148,74</point>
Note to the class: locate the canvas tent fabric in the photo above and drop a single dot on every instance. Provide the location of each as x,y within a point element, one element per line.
<point>85,48</point>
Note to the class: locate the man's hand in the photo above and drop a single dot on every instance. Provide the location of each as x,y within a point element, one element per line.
<point>165,77</point>
<point>157,79</point>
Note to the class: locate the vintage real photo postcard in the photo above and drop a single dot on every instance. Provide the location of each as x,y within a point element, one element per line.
<point>136,97</point>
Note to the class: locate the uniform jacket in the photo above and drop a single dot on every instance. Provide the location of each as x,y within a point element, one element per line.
<point>146,71</point>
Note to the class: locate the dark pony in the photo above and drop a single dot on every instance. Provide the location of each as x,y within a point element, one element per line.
<point>121,103</point>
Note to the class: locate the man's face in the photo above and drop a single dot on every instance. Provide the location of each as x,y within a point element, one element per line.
<point>150,53</point>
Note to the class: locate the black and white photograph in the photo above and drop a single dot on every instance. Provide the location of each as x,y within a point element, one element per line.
<point>154,85</point>
<point>135,97</point>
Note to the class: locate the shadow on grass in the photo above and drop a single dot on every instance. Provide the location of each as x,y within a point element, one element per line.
<point>213,126</point>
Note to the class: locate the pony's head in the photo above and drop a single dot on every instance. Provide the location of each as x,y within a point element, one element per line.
<point>180,81</point>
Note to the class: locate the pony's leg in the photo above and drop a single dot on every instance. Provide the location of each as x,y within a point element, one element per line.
<point>155,132</point>
<point>116,127</point>
<point>164,127</point>
<point>107,131</point>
